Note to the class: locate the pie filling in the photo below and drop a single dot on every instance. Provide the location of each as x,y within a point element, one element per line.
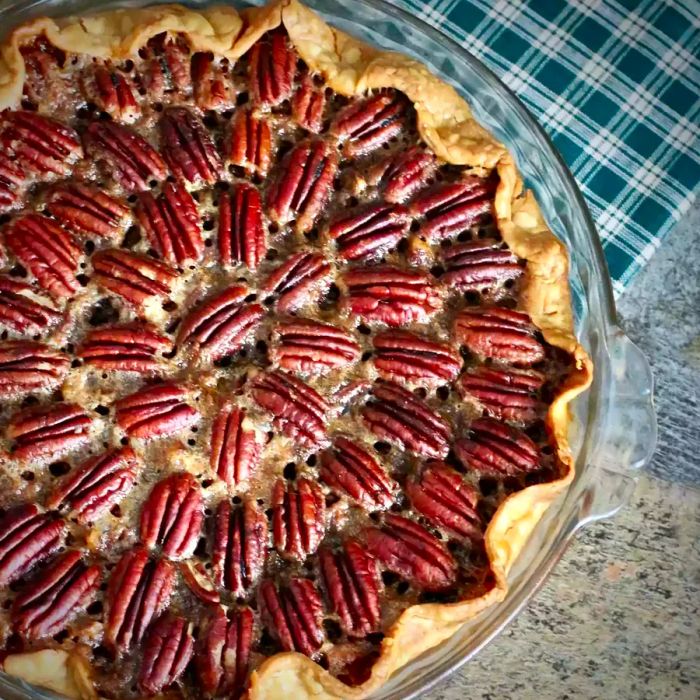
<point>263,376</point>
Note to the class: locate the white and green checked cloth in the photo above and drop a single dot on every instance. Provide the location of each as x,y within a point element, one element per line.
<point>616,84</point>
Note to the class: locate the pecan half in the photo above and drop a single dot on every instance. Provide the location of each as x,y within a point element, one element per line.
<point>249,144</point>
<point>506,394</point>
<point>55,596</point>
<point>499,334</point>
<point>155,412</point>
<point>135,347</point>
<point>402,175</point>
<point>236,445</point>
<point>48,431</point>
<point>111,91</point>
<point>452,208</point>
<point>496,448</point>
<point>167,649</point>
<point>408,357</point>
<point>27,366</point>
<point>292,614</point>
<point>139,589</point>
<point>40,145</point>
<point>298,410</point>
<point>198,580</point>
<point>128,158</point>
<point>43,63</point>
<point>24,311</point>
<point>188,148</point>
<point>391,295</point>
<point>168,69</point>
<point>308,104</point>
<point>401,417</point>
<point>298,518</point>
<point>312,347</point>
<point>409,550</point>
<point>27,537</point>
<point>48,251</point>
<point>87,211</point>
<point>213,89</point>
<point>446,500</point>
<point>349,469</point>
<point>96,485</point>
<point>12,183</point>
<point>367,124</point>
<point>350,578</point>
<point>221,325</point>
<point>240,546</point>
<point>303,279</point>
<point>241,234</point>
<point>171,517</point>
<point>272,68</point>
<point>223,652</point>
<point>302,185</point>
<point>479,265</point>
<point>135,278</point>
<point>171,223</point>
<point>370,232</point>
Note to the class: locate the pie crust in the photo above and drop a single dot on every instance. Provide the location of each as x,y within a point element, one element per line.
<point>446,125</point>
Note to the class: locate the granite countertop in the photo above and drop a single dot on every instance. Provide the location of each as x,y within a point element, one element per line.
<point>620,615</point>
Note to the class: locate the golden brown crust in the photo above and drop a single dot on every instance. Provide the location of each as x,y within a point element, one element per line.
<point>446,124</point>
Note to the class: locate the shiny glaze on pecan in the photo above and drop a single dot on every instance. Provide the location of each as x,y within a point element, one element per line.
<point>26,367</point>
<point>236,445</point>
<point>23,310</point>
<point>301,280</point>
<point>479,266</point>
<point>298,518</point>
<point>241,235</point>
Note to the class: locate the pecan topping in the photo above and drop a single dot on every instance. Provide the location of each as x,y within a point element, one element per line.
<point>55,597</point>
<point>479,265</point>
<point>499,334</point>
<point>220,326</point>
<point>367,124</point>
<point>402,175</point>
<point>172,516</point>
<point>371,232</point>
<point>312,347</point>
<point>48,431</point>
<point>27,366</point>
<point>199,581</point>
<point>139,589</point>
<point>411,551</point>
<point>236,445</point>
<point>401,417</point>
<point>348,468</point>
<point>111,91</point>
<point>223,652</point>
<point>272,69</point>
<point>298,410</point>
<point>390,295</point>
<point>298,518</point>
<point>135,347</point>
<point>250,142</point>
<point>27,537</point>
<point>48,251</point>
<point>452,208</point>
<point>241,233</point>
<point>136,278</point>
<point>303,184</point>
<point>167,649</point>
<point>171,223</point>
<point>96,485</point>
<point>87,211</point>
<point>24,311</point>
<point>213,89</point>
<point>308,104</point>
<point>446,500</point>
<point>293,614</point>
<point>12,183</point>
<point>155,412</point>
<point>129,158</point>
<point>168,68</point>
<point>495,448</point>
<point>43,61</point>
<point>405,356</point>
<point>303,279</point>
<point>505,394</point>
<point>240,546</point>
<point>188,148</point>
<point>350,577</point>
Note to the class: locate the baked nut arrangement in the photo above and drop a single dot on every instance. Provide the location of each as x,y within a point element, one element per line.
<point>285,357</point>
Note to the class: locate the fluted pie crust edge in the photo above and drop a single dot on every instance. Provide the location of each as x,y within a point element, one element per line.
<point>446,124</point>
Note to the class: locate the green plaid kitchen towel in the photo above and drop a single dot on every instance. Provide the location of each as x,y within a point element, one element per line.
<point>616,84</point>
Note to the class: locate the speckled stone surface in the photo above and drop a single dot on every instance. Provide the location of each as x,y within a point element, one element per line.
<point>620,616</point>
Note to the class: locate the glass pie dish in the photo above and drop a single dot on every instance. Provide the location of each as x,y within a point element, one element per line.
<point>613,430</point>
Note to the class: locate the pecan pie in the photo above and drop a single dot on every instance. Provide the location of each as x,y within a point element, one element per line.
<point>285,357</point>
